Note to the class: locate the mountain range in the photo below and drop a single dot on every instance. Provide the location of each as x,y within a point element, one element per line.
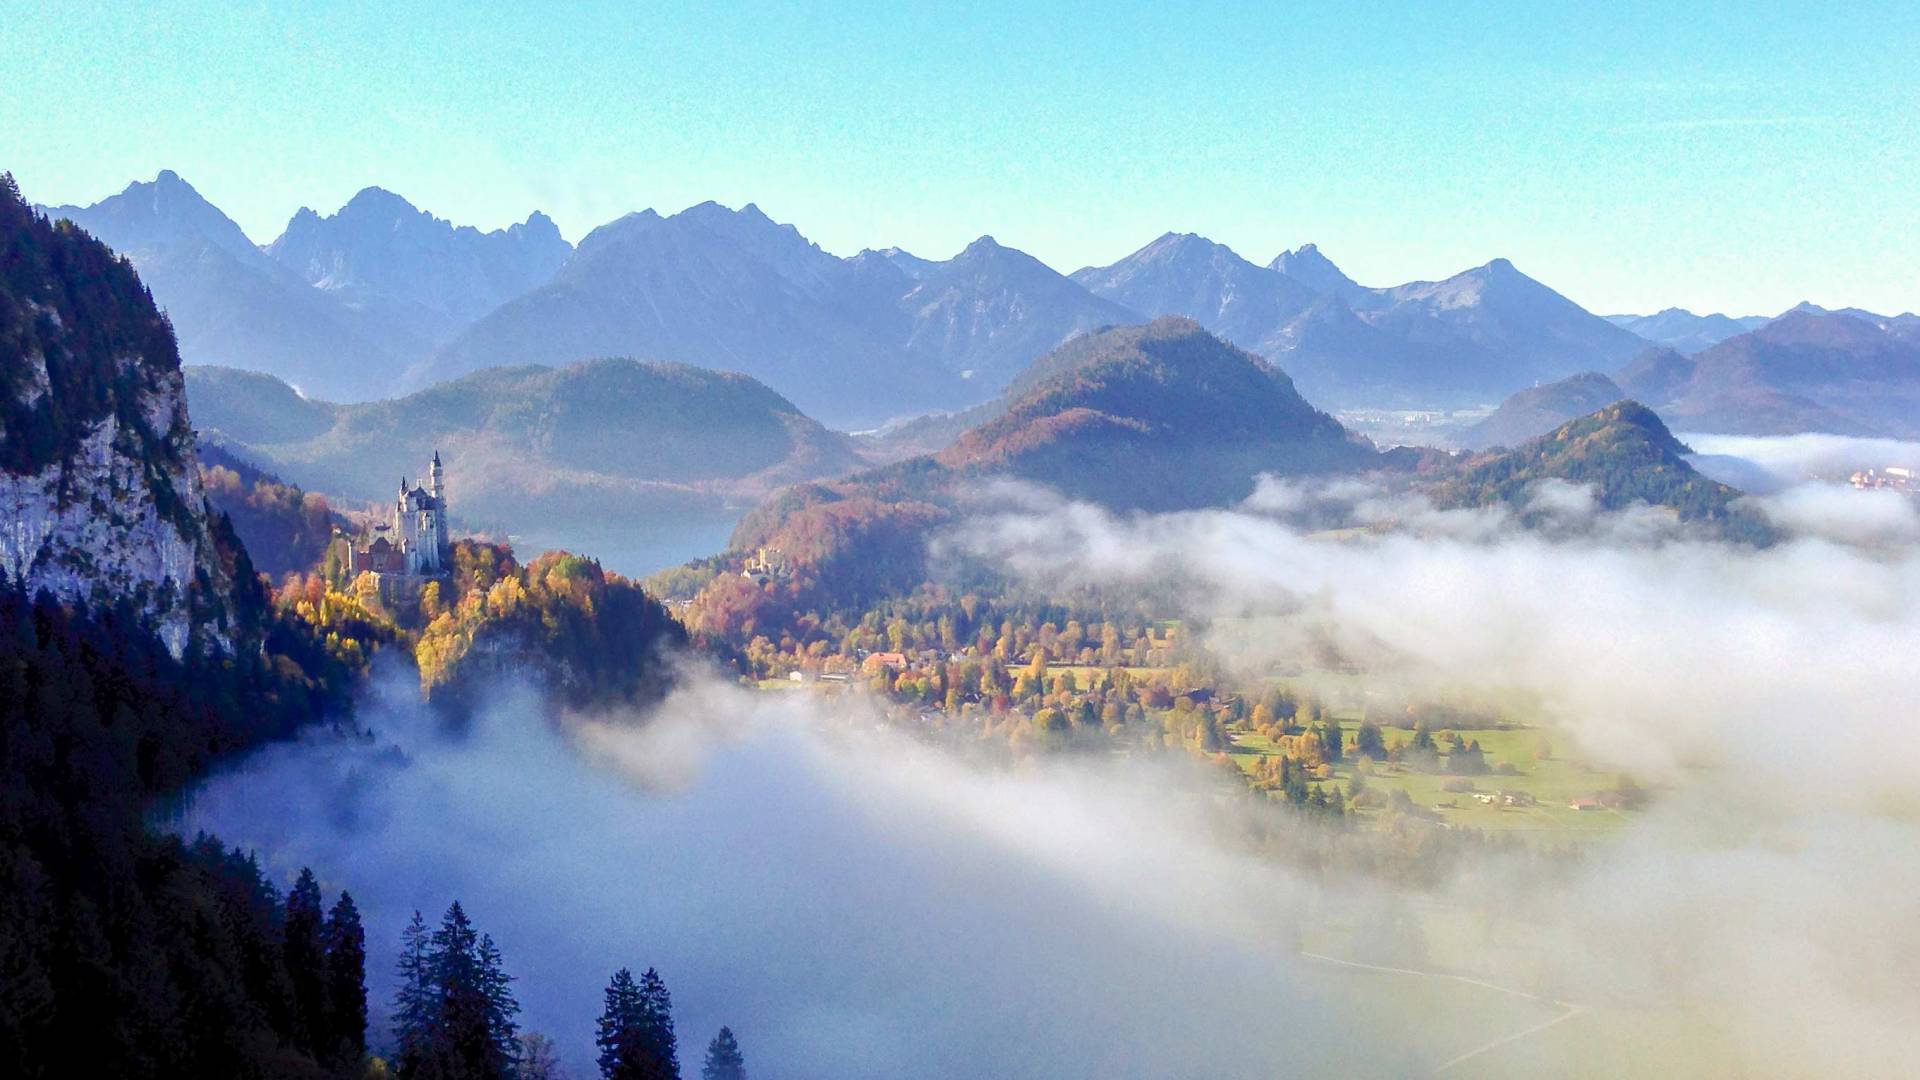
<point>338,306</point>
<point>853,341</point>
<point>1469,338</point>
<point>1686,333</point>
<point>1169,416</point>
<point>380,253</point>
<point>382,298</point>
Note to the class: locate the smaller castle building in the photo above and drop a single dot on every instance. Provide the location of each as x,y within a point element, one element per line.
<point>416,542</point>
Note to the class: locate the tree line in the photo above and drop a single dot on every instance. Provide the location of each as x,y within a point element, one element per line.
<point>455,1017</point>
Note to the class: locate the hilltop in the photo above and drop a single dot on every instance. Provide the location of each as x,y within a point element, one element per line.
<point>1163,416</point>
<point>1156,417</point>
<point>1538,410</point>
<point>1624,452</point>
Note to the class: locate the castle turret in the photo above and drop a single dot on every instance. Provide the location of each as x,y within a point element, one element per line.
<point>434,487</point>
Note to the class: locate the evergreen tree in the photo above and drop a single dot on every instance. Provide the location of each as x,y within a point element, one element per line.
<point>415,1008</point>
<point>620,1033</point>
<point>475,1034</point>
<point>306,961</point>
<point>346,945</point>
<point>1330,740</point>
<point>635,1034</point>
<point>656,1007</point>
<point>1368,741</point>
<point>723,1059</point>
<point>496,986</point>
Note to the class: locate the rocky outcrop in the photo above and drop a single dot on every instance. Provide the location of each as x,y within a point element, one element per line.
<point>100,500</point>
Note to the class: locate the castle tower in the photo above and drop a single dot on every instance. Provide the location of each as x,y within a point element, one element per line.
<point>436,542</point>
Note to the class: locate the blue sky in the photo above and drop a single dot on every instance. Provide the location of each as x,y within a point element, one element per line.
<point>1713,157</point>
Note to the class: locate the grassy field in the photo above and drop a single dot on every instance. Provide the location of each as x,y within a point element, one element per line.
<point>1091,676</point>
<point>1553,781</point>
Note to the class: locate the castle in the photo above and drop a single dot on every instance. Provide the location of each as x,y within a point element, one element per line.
<point>416,542</point>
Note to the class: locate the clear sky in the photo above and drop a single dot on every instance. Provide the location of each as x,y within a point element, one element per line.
<point>1712,156</point>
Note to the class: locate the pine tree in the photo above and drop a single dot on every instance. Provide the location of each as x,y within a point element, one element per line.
<point>475,1033</point>
<point>415,1004</point>
<point>621,1029</point>
<point>346,945</point>
<point>461,1046</point>
<point>656,1007</point>
<point>306,961</point>
<point>723,1059</point>
<point>503,1031</point>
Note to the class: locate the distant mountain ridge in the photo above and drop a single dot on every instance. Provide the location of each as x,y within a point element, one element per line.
<point>379,251</point>
<point>1185,274</point>
<point>1804,371</point>
<point>382,297</point>
<point>531,447</point>
<point>854,341</point>
<point>340,306</point>
<point>1472,337</point>
<point>231,303</point>
<point>1685,332</point>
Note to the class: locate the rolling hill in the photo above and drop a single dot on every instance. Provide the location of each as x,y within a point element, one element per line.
<point>1537,410</point>
<point>1156,417</point>
<point>1624,452</point>
<point>533,448</point>
<point>1162,416</point>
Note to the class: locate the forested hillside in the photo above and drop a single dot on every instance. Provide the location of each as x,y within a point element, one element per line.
<point>1624,453</point>
<point>1163,416</point>
<point>528,448</point>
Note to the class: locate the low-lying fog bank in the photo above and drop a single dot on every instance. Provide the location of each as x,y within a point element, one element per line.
<point>857,904</point>
<point>851,904</point>
<point>1769,693</point>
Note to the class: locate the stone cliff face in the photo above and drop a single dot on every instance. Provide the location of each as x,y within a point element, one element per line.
<point>100,501</point>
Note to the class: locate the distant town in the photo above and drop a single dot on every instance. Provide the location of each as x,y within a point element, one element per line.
<point>1896,477</point>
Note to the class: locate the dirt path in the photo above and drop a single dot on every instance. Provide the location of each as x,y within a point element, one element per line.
<point>1569,1010</point>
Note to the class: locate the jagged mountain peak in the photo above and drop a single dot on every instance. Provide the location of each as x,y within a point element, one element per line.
<point>1308,266</point>
<point>985,246</point>
<point>413,275</point>
<point>908,263</point>
<point>373,199</point>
